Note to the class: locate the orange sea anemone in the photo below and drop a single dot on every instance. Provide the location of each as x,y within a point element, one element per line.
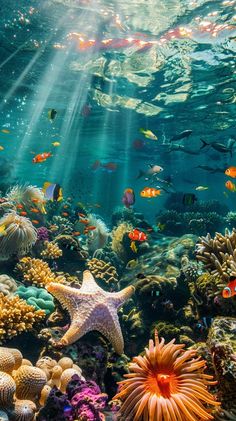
<point>166,384</point>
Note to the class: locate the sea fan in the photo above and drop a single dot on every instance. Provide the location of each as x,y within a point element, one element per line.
<point>97,238</point>
<point>166,384</point>
<point>27,195</point>
<point>19,235</point>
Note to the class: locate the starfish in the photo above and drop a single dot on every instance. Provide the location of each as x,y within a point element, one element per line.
<point>91,308</point>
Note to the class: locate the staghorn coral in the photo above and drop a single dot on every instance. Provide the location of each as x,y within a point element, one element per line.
<point>51,250</point>
<point>16,316</point>
<point>7,285</point>
<point>104,271</point>
<point>118,235</point>
<point>20,235</point>
<point>27,195</point>
<point>37,297</point>
<point>218,254</point>
<point>166,383</point>
<point>36,271</point>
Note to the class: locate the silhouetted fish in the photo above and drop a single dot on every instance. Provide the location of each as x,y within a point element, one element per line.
<point>182,135</point>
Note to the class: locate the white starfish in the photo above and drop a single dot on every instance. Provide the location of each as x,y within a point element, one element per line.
<point>91,308</point>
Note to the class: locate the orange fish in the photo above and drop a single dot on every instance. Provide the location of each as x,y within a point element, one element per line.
<point>19,206</point>
<point>65,214</point>
<point>230,290</point>
<point>137,235</point>
<point>82,215</point>
<point>35,200</point>
<point>231,172</point>
<point>84,221</point>
<point>5,131</point>
<point>34,210</point>
<point>91,228</point>
<point>41,157</point>
<point>149,192</point>
<point>230,186</point>
<point>76,233</point>
<point>65,206</point>
<point>34,221</point>
<point>23,213</point>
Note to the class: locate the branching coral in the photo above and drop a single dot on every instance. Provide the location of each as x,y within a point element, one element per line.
<point>27,195</point>
<point>104,271</point>
<point>20,235</point>
<point>16,316</point>
<point>36,271</point>
<point>166,383</point>
<point>219,254</point>
<point>7,285</point>
<point>51,250</point>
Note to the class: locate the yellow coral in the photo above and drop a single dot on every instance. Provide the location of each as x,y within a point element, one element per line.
<point>37,272</point>
<point>117,239</point>
<point>16,316</point>
<point>51,251</point>
<point>103,270</point>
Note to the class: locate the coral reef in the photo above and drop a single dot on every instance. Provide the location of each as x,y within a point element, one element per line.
<point>67,242</point>
<point>20,235</point>
<point>51,250</point>
<point>62,225</point>
<point>27,195</point>
<point>118,240</point>
<point>91,308</point>
<point>29,382</point>
<point>109,256</point>
<point>103,271</point>
<point>7,285</point>
<point>36,271</point>
<point>37,297</point>
<point>218,254</point>
<point>42,234</point>
<point>16,316</point>
<point>166,383</point>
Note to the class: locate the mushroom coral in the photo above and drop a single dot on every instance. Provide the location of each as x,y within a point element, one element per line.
<point>166,384</point>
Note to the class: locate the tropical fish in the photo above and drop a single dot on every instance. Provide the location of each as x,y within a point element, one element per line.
<point>52,191</point>
<point>152,170</point>
<point>182,135</point>
<point>82,215</point>
<point>109,166</point>
<point>137,235</point>
<point>148,134</point>
<point>181,148</point>
<point>35,222</point>
<point>230,186</point>
<point>128,198</point>
<point>149,192</point>
<point>34,210</point>
<point>19,206</point>
<point>56,144</point>
<point>230,290</point>
<point>189,199</point>
<point>91,228</point>
<point>1,148</point>
<point>65,214</point>
<point>131,263</point>
<point>231,172</point>
<point>201,188</point>
<point>133,247</point>
<point>3,230</point>
<point>76,233</point>
<point>23,213</point>
<point>41,157</point>
<point>52,114</point>
<point>84,221</point>
<point>220,147</point>
<point>6,131</point>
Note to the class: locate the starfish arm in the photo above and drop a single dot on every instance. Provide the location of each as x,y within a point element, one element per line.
<point>106,321</point>
<point>119,298</point>
<point>89,284</point>
<point>71,336</point>
<point>66,295</point>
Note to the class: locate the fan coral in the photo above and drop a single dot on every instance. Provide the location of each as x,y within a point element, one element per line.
<point>104,271</point>
<point>97,238</point>
<point>166,383</point>
<point>36,271</point>
<point>37,297</point>
<point>219,254</point>
<point>51,251</point>
<point>7,285</point>
<point>27,195</point>
<point>16,316</point>
<point>20,235</point>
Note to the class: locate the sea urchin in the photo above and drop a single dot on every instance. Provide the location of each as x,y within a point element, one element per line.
<point>166,384</point>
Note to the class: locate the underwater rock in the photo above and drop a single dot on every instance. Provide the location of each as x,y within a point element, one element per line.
<point>37,297</point>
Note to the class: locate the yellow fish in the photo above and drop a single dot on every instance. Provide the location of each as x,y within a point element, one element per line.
<point>3,230</point>
<point>5,131</point>
<point>1,148</point>
<point>131,264</point>
<point>148,134</point>
<point>133,247</point>
<point>56,143</point>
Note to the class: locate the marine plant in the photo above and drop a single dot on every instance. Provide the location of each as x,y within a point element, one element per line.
<point>166,383</point>
<point>37,297</point>
<point>20,235</point>
<point>26,195</point>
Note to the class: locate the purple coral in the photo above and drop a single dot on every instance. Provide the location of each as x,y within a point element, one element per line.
<point>42,234</point>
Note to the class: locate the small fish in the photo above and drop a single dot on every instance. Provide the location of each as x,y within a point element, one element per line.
<point>137,235</point>
<point>109,166</point>
<point>160,226</point>
<point>189,199</point>
<point>82,215</point>
<point>201,188</point>
<point>23,213</point>
<point>65,214</point>
<point>181,148</point>
<point>34,210</point>
<point>1,148</point>
<point>35,222</point>
<point>149,192</point>
<point>76,233</point>
<point>52,114</point>
<point>182,135</point>
<point>19,206</point>
<point>128,198</point>
<point>56,144</point>
<point>41,157</point>
<point>230,290</point>
<point>133,247</point>
<point>131,264</point>
<point>52,191</point>
<point>91,228</point>
<point>6,131</point>
<point>152,170</point>
<point>220,147</point>
<point>148,134</point>
<point>230,186</point>
<point>34,200</point>
<point>231,172</point>
<point>84,221</point>
<point>3,231</point>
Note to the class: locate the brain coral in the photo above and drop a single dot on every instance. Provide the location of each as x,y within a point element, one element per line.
<point>37,297</point>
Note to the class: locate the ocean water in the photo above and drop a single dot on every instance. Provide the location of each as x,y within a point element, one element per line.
<point>98,97</point>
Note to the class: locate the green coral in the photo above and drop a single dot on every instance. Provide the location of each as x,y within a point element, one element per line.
<point>37,297</point>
